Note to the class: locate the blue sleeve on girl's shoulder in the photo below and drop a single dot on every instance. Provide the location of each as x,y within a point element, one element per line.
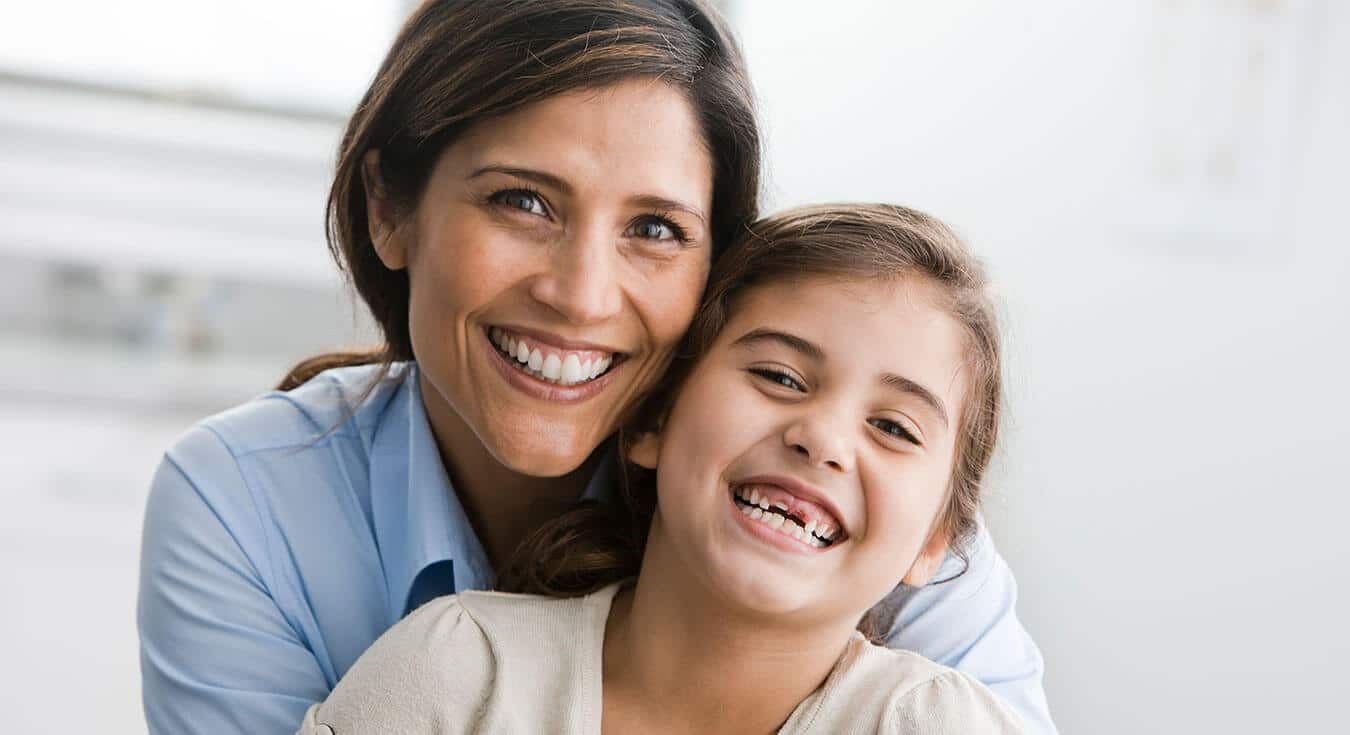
<point>969,622</point>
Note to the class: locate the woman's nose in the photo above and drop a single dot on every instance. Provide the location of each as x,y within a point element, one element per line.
<point>582,280</point>
<point>819,442</point>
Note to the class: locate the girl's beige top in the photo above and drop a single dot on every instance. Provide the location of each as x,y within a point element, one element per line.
<point>488,662</point>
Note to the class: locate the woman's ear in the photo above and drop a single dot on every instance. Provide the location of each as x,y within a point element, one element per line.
<point>645,451</point>
<point>930,559</point>
<point>380,215</point>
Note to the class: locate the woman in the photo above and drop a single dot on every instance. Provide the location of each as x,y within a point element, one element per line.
<point>562,172</point>
<point>790,483</point>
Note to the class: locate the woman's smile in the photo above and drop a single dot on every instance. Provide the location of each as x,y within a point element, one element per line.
<point>541,367</point>
<point>554,262</point>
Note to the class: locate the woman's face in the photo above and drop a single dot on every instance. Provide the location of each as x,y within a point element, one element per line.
<point>555,259</point>
<point>804,463</point>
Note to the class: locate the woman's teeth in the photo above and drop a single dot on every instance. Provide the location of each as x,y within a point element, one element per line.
<point>775,516</point>
<point>563,368</point>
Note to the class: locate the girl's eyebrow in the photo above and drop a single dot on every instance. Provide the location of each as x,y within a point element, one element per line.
<point>905,385</point>
<point>791,341</point>
<point>813,352</point>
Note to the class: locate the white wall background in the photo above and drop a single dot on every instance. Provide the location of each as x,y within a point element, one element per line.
<point>1158,186</point>
<point>1161,191</point>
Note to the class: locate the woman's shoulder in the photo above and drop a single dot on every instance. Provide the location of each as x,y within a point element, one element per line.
<point>340,401</point>
<point>908,693</point>
<point>273,457</point>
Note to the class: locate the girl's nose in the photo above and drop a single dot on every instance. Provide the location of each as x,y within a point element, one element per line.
<point>819,442</point>
<point>582,280</point>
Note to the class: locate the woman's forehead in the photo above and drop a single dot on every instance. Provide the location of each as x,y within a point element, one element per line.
<point>639,136</point>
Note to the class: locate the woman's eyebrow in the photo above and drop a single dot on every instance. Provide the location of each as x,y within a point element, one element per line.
<point>529,174</point>
<point>645,201</point>
<point>905,385</point>
<point>651,201</point>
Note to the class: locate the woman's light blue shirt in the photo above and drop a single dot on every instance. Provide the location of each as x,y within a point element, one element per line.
<point>277,548</point>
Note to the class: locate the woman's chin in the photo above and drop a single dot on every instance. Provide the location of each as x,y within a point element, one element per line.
<point>537,457</point>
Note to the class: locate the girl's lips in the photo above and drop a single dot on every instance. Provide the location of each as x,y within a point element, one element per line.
<point>542,389</point>
<point>773,537</point>
<point>800,499</point>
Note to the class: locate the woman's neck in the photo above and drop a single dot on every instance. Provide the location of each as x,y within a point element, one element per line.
<point>673,655</point>
<point>503,506</point>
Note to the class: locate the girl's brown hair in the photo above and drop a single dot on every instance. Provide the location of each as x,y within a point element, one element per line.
<point>592,546</point>
<point>458,62</point>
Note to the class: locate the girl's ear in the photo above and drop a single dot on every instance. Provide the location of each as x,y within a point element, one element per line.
<point>380,215</point>
<point>645,451</point>
<point>930,559</point>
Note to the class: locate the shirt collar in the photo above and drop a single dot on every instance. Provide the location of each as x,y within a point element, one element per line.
<point>418,517</point>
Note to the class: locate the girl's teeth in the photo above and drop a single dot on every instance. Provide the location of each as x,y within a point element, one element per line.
<point>781,524</point>
<point>522,352</point>
<point>814,533</point>
<point>536,360</point>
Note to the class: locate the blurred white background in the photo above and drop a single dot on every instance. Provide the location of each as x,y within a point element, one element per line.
<point>1159,187</point>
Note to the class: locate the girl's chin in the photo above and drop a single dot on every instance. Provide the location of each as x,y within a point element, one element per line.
<point>766,593</point>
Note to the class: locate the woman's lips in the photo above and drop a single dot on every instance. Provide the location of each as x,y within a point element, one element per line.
<point>518,376</point>
<point>548,361</point>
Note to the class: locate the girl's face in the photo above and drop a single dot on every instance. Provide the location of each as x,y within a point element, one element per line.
<point>804,462</point>
<point>555,258</point>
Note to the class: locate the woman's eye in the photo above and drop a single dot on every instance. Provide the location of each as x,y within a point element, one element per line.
<point>779,378</point>
<point>656,229</point>
<point>522,199</point>
<point>894,429</point>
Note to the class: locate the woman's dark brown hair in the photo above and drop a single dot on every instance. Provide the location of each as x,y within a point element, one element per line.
<point>458,62</point>
<point>593,546</point>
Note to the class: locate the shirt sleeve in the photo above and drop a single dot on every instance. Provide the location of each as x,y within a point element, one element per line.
<point>968,622</point>
<point>217,654</point>
<point>951,704</point>
<point>432,672</point>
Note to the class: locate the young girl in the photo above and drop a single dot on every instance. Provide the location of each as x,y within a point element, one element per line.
<point>823,442</point>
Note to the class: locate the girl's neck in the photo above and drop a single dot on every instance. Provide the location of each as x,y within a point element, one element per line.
<point>677,660</point>
<point>503,506</point>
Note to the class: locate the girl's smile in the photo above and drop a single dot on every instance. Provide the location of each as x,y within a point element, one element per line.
<point>797,474</point>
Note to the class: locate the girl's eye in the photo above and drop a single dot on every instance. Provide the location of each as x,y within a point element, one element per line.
<point>522,199</point>
<point>894,429</point>
<point>656,228</point>
<point>779,377</point>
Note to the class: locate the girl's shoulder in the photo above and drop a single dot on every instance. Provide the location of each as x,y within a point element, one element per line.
<point>491,660</point>
<point>529,624</point>
<point>906,693</point>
